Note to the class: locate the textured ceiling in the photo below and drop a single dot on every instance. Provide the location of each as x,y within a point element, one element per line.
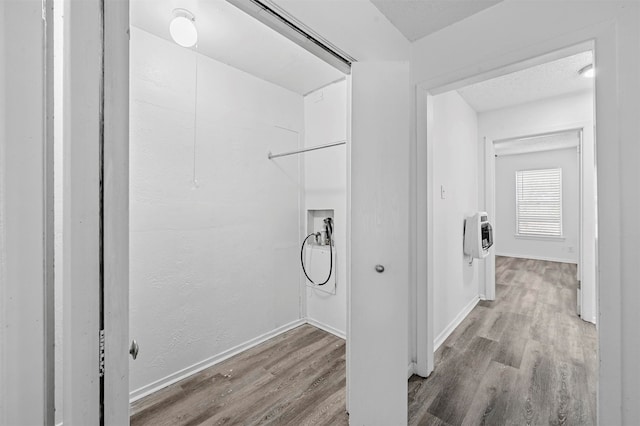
<point>418,18</point>
<point>542,81</point>
<point>230,36</point>
<point>355,26</point>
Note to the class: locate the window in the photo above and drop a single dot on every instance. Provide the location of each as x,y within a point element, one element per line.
<point>539,202</point>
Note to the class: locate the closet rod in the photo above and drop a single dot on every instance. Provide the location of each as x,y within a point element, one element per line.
<point>299,151</point>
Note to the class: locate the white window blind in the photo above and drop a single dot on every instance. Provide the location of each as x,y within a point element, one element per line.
<point>539,202</point>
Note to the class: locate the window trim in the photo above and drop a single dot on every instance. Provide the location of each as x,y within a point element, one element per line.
<point>519,235</point>
<point>539,237</point>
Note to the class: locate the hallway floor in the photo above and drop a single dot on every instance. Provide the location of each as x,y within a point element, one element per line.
<point>523,359</point>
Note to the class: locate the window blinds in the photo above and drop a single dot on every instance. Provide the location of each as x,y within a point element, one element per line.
<point>539,202</point>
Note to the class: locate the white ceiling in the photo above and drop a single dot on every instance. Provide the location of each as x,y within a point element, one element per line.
<point>419,18</point>
<point>548,80</point>
<point>355,26</point>
<point>230,36</point>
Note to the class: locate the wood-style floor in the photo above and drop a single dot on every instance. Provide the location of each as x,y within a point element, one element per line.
<point>523,359</point>
<point>297,378</point>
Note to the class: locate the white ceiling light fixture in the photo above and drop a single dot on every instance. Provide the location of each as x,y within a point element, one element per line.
<point>183,28</point>
<point>588,71</point>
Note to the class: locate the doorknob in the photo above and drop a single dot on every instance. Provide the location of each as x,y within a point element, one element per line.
<point>133,349</point>
<point>379,269</point>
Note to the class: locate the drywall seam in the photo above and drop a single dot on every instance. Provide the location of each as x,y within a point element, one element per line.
<point>326,328</point>
<point>534,257</point>
<point>206,363</point>
<point>439,340</point>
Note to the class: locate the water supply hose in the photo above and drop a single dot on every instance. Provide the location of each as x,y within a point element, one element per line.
<point>330,259</point>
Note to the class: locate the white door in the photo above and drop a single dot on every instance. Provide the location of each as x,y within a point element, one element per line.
<point>378,339</point>
<point>26,214</point>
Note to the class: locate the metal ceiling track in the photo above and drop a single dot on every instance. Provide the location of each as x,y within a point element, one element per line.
<point>279,20</point>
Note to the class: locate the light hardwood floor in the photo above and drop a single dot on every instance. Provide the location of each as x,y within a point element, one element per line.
<point>297,378</point>
<point>523,359</point>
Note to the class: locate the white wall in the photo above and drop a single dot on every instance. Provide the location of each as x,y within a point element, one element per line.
<point>506,242</point>
<point>560,112</point>
<point>325,120</point>
<point>215,232</point>
<point>456,169</point>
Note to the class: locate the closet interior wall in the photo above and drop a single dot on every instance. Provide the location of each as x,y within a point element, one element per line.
<point>215,232</point>
<point>325,188</point>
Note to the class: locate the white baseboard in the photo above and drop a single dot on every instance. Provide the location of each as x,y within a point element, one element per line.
<point>326,328</point>
<point>199,366</point>
<point>439,340</point>
<point>548,259</point>
<point>411,370</point>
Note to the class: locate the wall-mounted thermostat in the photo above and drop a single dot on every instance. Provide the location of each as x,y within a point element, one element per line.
<point>478,235</point>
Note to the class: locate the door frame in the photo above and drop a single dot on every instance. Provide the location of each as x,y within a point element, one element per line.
<point>96,144</point>
<point>27,316</point>
<point>490,207</point>
<point>424,180</point>
<point>611,189</point>
<point>116,210</point>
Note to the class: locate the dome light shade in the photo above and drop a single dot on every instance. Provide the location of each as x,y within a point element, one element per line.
<point>588,72</point>
<point>183,28</point>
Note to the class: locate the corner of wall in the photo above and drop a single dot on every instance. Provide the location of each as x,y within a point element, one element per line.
<point>466,310</point>
<point>325,188</point>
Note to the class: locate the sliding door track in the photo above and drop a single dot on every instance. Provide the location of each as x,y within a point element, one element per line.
<point>280,21</point>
